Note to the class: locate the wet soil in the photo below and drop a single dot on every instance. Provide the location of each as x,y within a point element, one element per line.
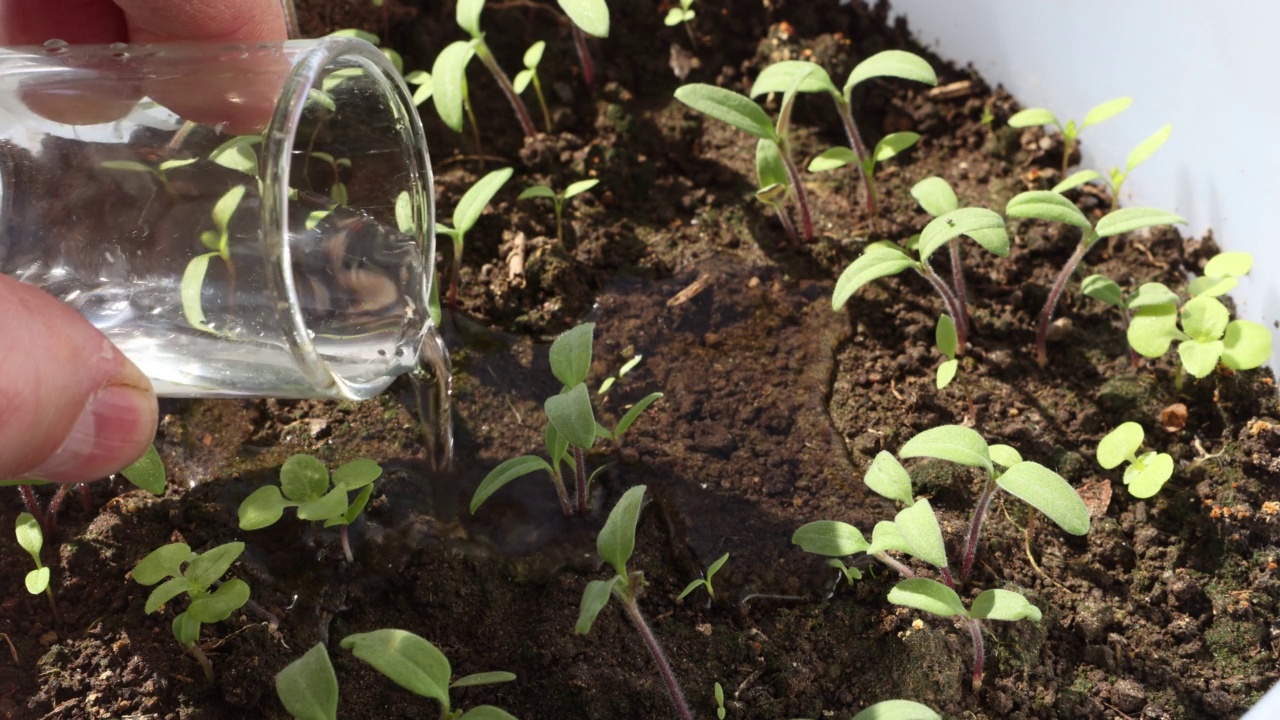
<point>774,406</point>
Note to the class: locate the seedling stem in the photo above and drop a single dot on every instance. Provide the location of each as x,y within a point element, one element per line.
<point>664,668</point>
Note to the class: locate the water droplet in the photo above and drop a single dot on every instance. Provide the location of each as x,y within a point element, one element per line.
<point>55,46</point>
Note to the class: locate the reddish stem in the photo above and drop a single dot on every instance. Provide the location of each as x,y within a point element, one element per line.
<point>664,668</point>
<point>1055,294</point>
<point>584,56</point>
<point>802,198</point>
<point>975,527</point>
<point>953,305</point>
<point>522,113</point>
<point>580,479</point>
<point>958,285</point>
<point>979,653</point>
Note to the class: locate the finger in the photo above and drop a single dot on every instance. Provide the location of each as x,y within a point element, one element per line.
<point>24,22</point>
<point>212,20</point>
<point>72,407</point>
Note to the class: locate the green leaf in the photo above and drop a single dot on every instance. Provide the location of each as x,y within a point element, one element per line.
<point>571,355</point>
<point>1046,491</point>
<point>954,443</point>
<point>487,712</point>
<point>556,445</point>
<point>506,472</point>
<point>928,595</point>
<point>357,34</point>
<point>533,55</point>
<point>617,538</point>
<point>192,290</point>
<point>633,414</point>
<point>946,373</point>
<point>1032,117</point>
<point>206,568</point>
<point>1145,477</point>
<point>594,598</point>
<point>1075,180</point>
<point>263,508</point>
<point>238,154</point>
<point>886,477</point>
<point>1153,293</point>
<point>165,561</point>
<point>37,581</point>
<point>570,412</point>
<point>891,63</point>
<point>1199,358</point>
<point>897,710</point>
<point>935,195</point>
<point>30,536</point>
<point>493,677</point>
<point>1135,218</point>
<point>165,592</point>
<point>829,538</point>
<point>1246,345</point>
<point>537,191</point>
<point>879,259</point>
<point>308,686</point>
<point>780,76</point>
<point>1120,444</point>
<point>218,606</point>
<point>1204,319</point>
<point>590,15</point>
<point>981,224</point>
<point>945,336</point>
<point>406,659</point>
<point>888,536</point>
<point>171,164</point>
<point>919,525</point>
<point>477,197</point>
<point>129,165</point>
<point>580,187</point>
<point>1046,205</point>
<point>1003,605</point>
<point>326,507</point>
<point>1147,148</point>
<point>1152,329</point>
<point>303,477</point>
<point>449,82</point>
<point>147,472</point>
<point>424,90</point>
<point>729,107</point>
<point>690,588</point>
<point>1229,264</point>
<point>894,143</point>
<point>1210,286</point>
<point>770,168</point>
<point>321,98</point>
<point>186,629</point>
<point>404,214</point>
<point>467,14</point>
<point>337,77</point>
<point>356,474</point>
<point>1004,456</point>
<point>1106,111</point>
<point>831,159</point>
<point>714,567</point>
<point>353,511</point>
<point>1101,287</point>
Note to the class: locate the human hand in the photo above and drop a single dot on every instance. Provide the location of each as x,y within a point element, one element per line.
<point>73,408</point>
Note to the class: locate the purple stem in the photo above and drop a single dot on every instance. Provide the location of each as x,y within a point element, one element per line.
<point>957,282</point>
<point>975,527</point>
<point>860,152</point>
<point>1055,294</point>
<point>584,55</point>
<point>979,653</point>
<point>946,577</point>
<point>522,113</point>
<point>802,198</point>
<point>664,668</point>
<point>787,225</point>
<point>953,305</point>
<point>32,504</point>
<point>580,479</point>
<point>561,493</point>
<point>895,565</point>
<point>1134,360</point>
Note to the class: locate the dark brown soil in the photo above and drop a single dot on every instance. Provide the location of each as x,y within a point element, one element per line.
<point>774,407</point>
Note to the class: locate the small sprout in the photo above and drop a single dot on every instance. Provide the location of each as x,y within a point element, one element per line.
<point>614,544</point>
<point>449,92</point>
<point>1221,274</point>
<point>774,184</point>
<point>612,380</point>
<point>31,539</point>
<point>308,686</point>
<point>159,171</point>
<point>418,666</point>
<point>897,710</point>
<point>719,695</point>
<point>948,344</point>
<point>1050,206</point>
<point>466,215</point>
<point>202,572</point>
<point>305,484</point>
<point>588,17</point>
<point>1146,473</point>
<point>559,200</point>
<point>1032,117</point>
<point>1207,335</point>
<point>147,472</point>
<point>218,242</point>
<point>705,582</point>
<point>682,14</point>
<point>529,75</point>
<point>238,154</point>
<point>1117,178</point>
<point>423,86</point>
<point>468,18</point>
<point>1103,288</point>
<point>848,572</point>
<point>571,430</point>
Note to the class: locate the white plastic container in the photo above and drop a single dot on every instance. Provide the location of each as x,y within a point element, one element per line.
<point>1207,71</point>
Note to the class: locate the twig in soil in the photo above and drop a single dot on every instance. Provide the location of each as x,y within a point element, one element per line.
<point>1026,537</point>
<point>774,598</point>
<point>13,651</point>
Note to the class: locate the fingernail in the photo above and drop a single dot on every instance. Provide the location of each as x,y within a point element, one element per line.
<point>108,435</point>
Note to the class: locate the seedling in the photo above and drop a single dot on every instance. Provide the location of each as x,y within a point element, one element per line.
<point>1049,205</point>
<point>1115,181</point>
<point>1032,117</point>
<point>338,189</point>
<point>218,242</point>
<point>571,428</point>
<point>449,91</point>
<point>305,485</point>
<point>897,710</point>
<point>949,344</point>
<point>239,154</point>
<point>719,695</point>
<point>741,112</point>
<point>559,200</point>
<point>529,75</point>
<point>419,667</point>
<point>615,544</point>
<point>1205,334</point>
<point>888,147</point>
<point>705,581</point>
<point>883,258</point>
<point>422,86</point>
<point>780,76</point>
<point>683,15</point>
<point>31,539</point>
<point>308,686</point>
<point>847,572</point>
<point>1146,473</point>
<point>587,17</point>
<point>612,380</point>
<point>775,184</point>
<point>159,172</point>
<point>454,72</point>
<point>1101,287</point>
<point>465,216</point>
<point>202,571</point>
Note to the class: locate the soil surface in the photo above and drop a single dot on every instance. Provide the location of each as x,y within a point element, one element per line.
<point>774,406</point>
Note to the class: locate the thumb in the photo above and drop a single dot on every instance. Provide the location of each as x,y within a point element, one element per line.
<point>72,406</point>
